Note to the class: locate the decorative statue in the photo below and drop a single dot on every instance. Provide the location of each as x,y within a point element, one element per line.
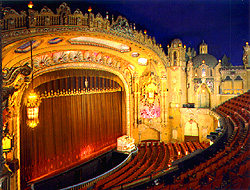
<point>246,55</point>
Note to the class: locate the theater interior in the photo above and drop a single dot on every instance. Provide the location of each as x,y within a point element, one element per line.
<point>90,102</point>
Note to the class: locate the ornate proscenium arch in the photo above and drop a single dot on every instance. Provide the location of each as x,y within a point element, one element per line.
<point>89,60</point>
<point>75,41</point>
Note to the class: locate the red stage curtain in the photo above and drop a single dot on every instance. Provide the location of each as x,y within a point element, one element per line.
<point>71,127</point>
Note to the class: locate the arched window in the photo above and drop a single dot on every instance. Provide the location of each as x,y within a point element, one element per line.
<point>203,74</point>
<point>175,58</point>
<point>211,72</point>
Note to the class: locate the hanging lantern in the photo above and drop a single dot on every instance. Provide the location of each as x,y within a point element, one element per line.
<point>32,104</point>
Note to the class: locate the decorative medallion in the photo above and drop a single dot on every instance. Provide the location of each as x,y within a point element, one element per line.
<point>60,57</point>
<point>26,46</point>
<point>42,61</point>
<point>55,40</point>
<point>135,54</point>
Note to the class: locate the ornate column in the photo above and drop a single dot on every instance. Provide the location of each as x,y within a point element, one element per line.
<point>164,108</point>
<point>2,161</point>
<point>136,100</point>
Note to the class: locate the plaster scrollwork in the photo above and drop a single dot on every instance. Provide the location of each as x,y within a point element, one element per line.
<point>42,61</point>
<point>10,75</point>
<point>8,12</point>
<point>64,57</point>
<point>15,102</point>
<point>14,80</point>
<point>60,57</point>
<point>46,10</point>
<point>76,56</point>
<point>64,8</point>
<point>78,12</point>
<point>121,25</point>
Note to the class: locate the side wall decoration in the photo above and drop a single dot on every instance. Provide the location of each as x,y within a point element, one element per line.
<point>149,102</point>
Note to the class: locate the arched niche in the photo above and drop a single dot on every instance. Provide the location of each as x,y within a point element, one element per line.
<point>191,131</point>
<point>203,97</point>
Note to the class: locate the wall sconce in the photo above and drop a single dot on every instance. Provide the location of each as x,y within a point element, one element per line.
<point>7,143</point>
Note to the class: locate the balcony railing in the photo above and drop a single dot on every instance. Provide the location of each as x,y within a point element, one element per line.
<point>16,24</point>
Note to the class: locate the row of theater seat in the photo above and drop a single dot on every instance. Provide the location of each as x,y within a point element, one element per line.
<point>229,168</point>
<point>151,158</point>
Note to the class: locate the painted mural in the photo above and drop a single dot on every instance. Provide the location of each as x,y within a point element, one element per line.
<point>149,104</point>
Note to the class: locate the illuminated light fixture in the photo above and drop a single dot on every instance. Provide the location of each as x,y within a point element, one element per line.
<point>247,43</point>
<point>185,46</point>
<point>142,61</point>
<point>179,44</point>
<point>145,31</point>
<point>32,103</point>
<point>203,61</point>
<point>168,45</point>
<point>89,9</point>
<point>30,5</point>
<point>107,15</point>
<point>86,83</point>
<point>7,143</point>
<point>160,45</point>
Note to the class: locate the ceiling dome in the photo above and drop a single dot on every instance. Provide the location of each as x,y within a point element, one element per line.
<point>176,43</point>
<point>209,60</point>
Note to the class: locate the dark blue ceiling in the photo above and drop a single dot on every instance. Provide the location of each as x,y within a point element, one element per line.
<point>222,24</point>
